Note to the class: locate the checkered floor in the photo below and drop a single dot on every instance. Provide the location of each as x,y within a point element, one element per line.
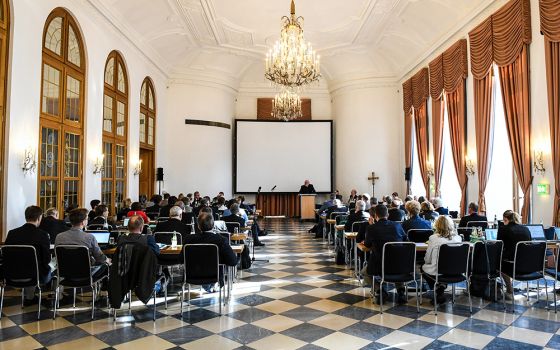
<point>299,300</point>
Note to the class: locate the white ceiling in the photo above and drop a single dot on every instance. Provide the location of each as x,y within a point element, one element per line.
<point>227,39</point>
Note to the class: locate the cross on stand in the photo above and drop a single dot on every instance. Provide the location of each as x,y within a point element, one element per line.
<point>372,178</point>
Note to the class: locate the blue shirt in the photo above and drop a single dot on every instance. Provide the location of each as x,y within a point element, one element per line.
<point>416,222</point>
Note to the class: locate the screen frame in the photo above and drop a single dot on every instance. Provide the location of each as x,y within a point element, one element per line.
<point>234,152</point>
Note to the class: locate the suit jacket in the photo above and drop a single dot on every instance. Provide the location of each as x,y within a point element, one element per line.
<point>511,234</point>
<point>377,235</point>
<point>173,225</point>
<point>429,215</point>
<point>164,211</point>
<point>416,222</point>
<point>396,214</point>
<point>473,217</point>
<point>53,227</point>
<point>154,209</point>
<point>235,218</point>
<point>307,189</point>
<point>28,234</point>
<point>335,209</point>
<point>355,217</point>
<point>442,211</point>
<point>227,256</point>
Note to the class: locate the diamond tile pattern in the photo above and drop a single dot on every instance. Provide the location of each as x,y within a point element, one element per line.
<point>300,300</point>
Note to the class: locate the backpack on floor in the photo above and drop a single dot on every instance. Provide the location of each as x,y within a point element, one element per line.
<point>245,259</point>
<point>340,256</point>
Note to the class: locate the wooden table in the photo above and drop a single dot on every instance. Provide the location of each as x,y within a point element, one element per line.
<point>237,249</point>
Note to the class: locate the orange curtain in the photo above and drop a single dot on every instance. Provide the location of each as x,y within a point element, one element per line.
<point>407,107</point>
<point>421,128</point>
<point>550,28</point>
<point>438,110</point>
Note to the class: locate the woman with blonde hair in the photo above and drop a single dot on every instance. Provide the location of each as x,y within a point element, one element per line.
<point>444,232</point>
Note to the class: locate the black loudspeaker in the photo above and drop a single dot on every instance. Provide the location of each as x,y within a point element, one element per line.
<point>159,174</point>
<point>407,174</point>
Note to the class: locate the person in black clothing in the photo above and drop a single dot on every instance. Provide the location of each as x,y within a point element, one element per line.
<point>164,211</point>
<point>359,214</point>
<point>383,231</point>
<point>203,203</point>
<point>101,219</point>
<point>205,223</point>
<point>174,224</point>
<point>396,213</point>
<point>427,211</point>
<point>473,215</point>
<point>196,200</point>
<point>236,217</point>
<point>511,233</point>
<point>94,203</point>
<point>52,225</point>
<point>307,188</point>
<point>153,210</point>
<point>438,204</point>
<point>31,234</point>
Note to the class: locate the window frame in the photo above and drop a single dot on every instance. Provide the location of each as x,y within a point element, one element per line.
<point>149,113</point>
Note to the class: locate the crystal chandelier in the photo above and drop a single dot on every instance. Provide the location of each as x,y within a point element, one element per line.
<point>286,105</point>
<point>292,62</point>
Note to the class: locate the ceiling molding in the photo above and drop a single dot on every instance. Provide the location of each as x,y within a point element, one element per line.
<point>338,88</point>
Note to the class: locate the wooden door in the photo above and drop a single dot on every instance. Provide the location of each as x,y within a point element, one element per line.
<point>147,176</point>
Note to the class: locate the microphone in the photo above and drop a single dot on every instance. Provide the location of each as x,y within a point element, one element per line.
<point>273,188</point>
<point>259,189</point>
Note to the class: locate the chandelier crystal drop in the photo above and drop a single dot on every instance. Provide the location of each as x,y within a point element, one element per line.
<point>292,62</point>
<point>286,105</point>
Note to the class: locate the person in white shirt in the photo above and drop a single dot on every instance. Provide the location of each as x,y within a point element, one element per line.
<point>444,232</point>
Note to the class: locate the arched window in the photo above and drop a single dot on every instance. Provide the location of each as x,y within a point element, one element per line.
<point>4,54</point>
<point>147,115</point>
<point>115,132</point>
<point>62,113</point>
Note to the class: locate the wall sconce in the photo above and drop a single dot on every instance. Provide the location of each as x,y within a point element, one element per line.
<point>469,166</point>
<point>538,162</point>
<point>29,163</point>
<point>98,166</point>
<point>138,168</point>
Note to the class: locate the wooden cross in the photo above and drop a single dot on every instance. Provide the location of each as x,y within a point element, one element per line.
<point>372,178</point>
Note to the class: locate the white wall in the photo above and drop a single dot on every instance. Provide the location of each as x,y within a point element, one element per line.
<point>197,158</point>
<point>24,89</point>
<point>368,129</point>
<point>542,205</point>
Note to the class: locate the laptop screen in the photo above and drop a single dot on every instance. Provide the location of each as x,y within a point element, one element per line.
<point>125,222</point>
<point>537,232</point>
<point>102,237</point>
<point>491,233</point>
<point>557,232</point>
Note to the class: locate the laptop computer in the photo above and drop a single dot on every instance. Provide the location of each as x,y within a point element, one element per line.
<point>102,237</point>
<point>125,222</point>
<point>557,232</point>
<point>491,233</point>
<point>537,232</point>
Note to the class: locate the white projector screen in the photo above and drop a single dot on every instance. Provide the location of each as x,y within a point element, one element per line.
<point>282,154</point>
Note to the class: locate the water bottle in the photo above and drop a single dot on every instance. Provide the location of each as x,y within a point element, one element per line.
<point>174,240</point>
<point>495,221</point>
<point>236,230</point>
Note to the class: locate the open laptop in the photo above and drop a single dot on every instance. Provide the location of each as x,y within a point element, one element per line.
<point>125,222</point>
<point>102,237</point>
<point>491,233</point>
<point>537,232</point>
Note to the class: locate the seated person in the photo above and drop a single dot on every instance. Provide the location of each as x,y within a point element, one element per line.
<point>164,211</point>
<point>307,188</point>
<point>124,210</point>
<point>438,205</point>
<point>94,203</point>
<point>174,224</point>
<point>406,200</point>
<point>236,216</point>
<point>395,212</point>
<point>250,209</point>
<point>31,234</point>
<point>327,204</point>
<point>366,198</point>
<point>427,211</point>
<point>52,225</point>
<point>421,199</point>
<point>136,210</point>
<point>220,204</point>
<point>338,207</point>
<point>444,232</point>
<point>153,210</point>
<point>135,227</point>
<point>472,216</point>
<point>359,214</point>
<point>219,225</point>
<point>353,198</point>
<point>205,225</point>
<point>101,218</point>
<point>511,232</point>
<point>363,227</point>
<point>377,235</point>
<point>204,203</point>
<point>77,236</point>
<point>188,216</point>
<point>414,221</point>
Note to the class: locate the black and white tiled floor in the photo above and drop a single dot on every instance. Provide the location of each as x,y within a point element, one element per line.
<point>299,300</point>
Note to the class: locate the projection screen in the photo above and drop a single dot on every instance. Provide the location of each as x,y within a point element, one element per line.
<point>282,154</point>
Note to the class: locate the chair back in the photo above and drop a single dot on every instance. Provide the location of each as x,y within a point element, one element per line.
<point>453,259</point>
<point>418,235</point>
<point>167,237</point>
<point>529,257</point>
<point>482,224</point>
<point>163,219</point>
<point>335,213</point>
<point>341,219</point>
<point>226,235</point>
<point>486,258</point>
<point>399,258</point>
<point>232,225</point>
<point>20,265</point>
<point>96,227</point>
<point>202,263</point>
<point>73,265</point>
<point>550,233</point>
<point>356,225</point>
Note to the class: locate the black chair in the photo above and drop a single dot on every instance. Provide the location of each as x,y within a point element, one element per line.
<point>153,215</point>
<point>554,272</point>
<point>398,265</point>
<point>21,270</point>
<point>74,271</point>
<point>231,226</point>
<point>96,227</point>
<point>202,266</point>
<point>529,265</point>
<point>452,268</point>
<point>486,264</point>
<point>162,219</point>
<point>169,260</point>
<point>417,235</point>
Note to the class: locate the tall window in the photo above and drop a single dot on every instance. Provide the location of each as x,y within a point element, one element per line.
<point>4,35</point>
<point>416,184</point>
<point>115,132</point>
<point>450,189</point>
<point>147,115</point>
<point>62,113</point>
